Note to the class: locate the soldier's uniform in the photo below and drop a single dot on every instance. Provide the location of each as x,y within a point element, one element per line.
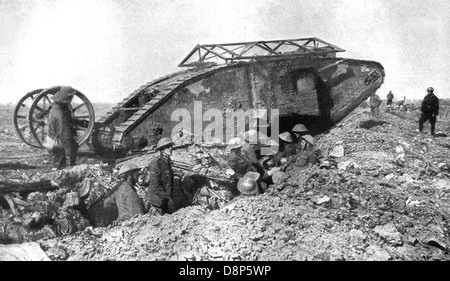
<point>248,150</point>
<point>128,202</point>
<point>62,127</point>
<point>390,98</point>
<point>159,191</point>
<point>239,163</point>
<point>298,131</point>
<point>430,110</point>
<point>305,158</point>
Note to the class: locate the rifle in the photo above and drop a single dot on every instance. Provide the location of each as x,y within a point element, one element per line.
<point>215,194</point>
<point>137,153</point>
<point>188,168</point>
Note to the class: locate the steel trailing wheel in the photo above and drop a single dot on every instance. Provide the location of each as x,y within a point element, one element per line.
<point>20,118</point>
<point>82,114</point>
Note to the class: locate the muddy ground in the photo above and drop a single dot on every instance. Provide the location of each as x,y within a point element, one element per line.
<point>365,204</point>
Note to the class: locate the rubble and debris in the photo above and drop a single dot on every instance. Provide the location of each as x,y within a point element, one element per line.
<point>30,251</point>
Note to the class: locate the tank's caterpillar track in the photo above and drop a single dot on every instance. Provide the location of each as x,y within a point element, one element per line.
<point>164,87</point>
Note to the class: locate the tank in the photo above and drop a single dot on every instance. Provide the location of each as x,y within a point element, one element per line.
<point>298,80</point>
<point>302,78</point>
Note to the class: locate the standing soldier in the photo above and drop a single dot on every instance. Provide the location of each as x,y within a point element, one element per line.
<point>390,98</point>
<point>61,127</point>
<point>375,104</point>
<point>159,190</point>
<point>430,110</point>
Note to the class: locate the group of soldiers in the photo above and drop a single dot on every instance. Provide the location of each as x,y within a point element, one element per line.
<point>159,182</point>
<point>259,162</point>
<point>429,108</point>
<point>265,164</point>
<point>257,166</point>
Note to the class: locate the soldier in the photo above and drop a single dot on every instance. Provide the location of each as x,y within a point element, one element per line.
<point>307,156</point>
<point>268,161</point>
<point>269,164</point>
<point>125,197</point>
<point>159,190</point>
<point>298,131</point>
<point>287,145</point>
<point>430,110</point>
<point>236,160</point>
<point>375,104</point>
<point>248,149</point>
<point>390,98</point>
<point>61,127</point>
<point>288,148</point>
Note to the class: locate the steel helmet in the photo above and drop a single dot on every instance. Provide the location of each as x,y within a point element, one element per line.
<point>164,143</point>
<point>250,133</point>
<point>273,147</point>
<point>64,95</point>
<point>309,139</point>
<point>286,136</point>
<point>430,89</point>
<point>235,143</point>
<point>247,186</point>
<point>299,128</point>
<point>127,167</point>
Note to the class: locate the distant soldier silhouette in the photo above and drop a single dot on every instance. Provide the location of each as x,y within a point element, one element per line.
<point>390,98</point>
<point>430,110</point>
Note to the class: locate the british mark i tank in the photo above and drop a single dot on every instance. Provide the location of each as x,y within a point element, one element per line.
<point>303,79</point>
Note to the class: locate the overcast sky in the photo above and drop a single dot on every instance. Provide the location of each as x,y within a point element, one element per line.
<point>108,48</point>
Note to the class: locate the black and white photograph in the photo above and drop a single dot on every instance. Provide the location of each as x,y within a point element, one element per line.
<point>238,132</point>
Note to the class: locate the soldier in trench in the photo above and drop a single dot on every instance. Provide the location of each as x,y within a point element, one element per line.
<point>298,131</point>
<point>237,161</point>
<point>288,149</point>
<point>270,165</point>
<point>125,198</point>
<point>307,156</point>
<point>161,178</point>
<point>248,148</point>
